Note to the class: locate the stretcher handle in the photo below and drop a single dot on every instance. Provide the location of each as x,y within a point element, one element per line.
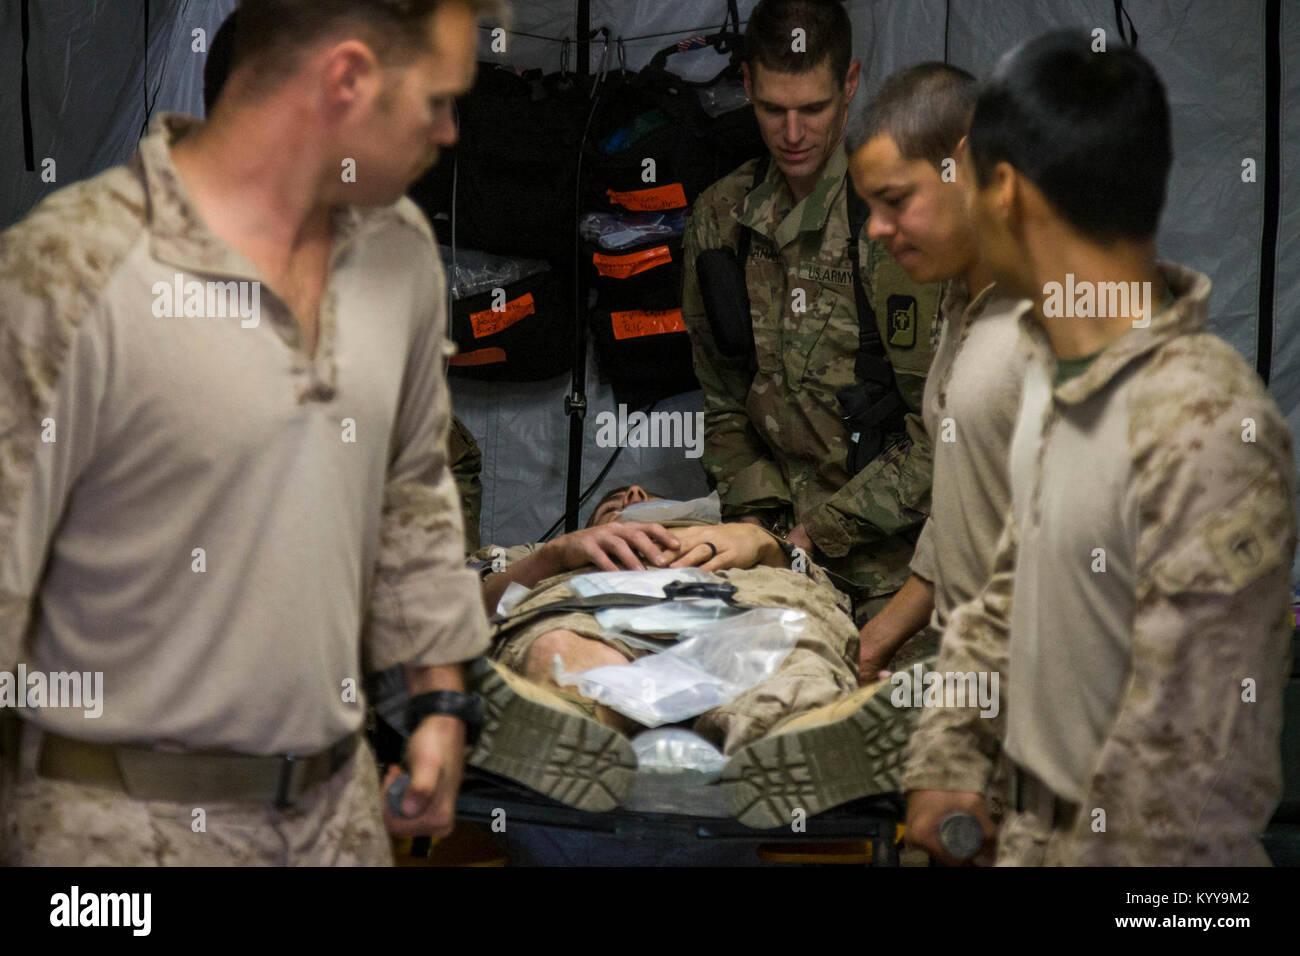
<point>960,835</point>
<point>396,791</point>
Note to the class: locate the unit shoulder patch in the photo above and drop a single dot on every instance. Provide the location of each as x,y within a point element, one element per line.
<point>902,321</point>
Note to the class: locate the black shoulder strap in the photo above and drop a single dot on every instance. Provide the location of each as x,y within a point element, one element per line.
<point>871,364</point>
<point>760,174</point>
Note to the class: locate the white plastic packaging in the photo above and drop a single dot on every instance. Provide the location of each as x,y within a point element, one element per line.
<point>677,750</point>
<point>707,509</point>
<point>710,666</point>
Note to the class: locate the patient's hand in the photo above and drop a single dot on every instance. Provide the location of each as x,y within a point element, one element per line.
<point>612,547</point>
<point>738,545</point>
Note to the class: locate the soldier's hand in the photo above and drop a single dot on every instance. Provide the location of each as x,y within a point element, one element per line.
<point>435,756</point>
<point>734,545</point>
<point>614,546</point>
<point>874,656</point>
<point>926,809</point>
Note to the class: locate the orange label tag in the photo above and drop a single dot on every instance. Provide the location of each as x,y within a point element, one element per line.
<point>624,267</point>
<point>634,325</point>
<point>490,322</point>
<point>479,357</point>
<point>672,196</point>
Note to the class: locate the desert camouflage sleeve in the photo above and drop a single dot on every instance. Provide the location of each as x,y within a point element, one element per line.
<point>736,460</point>
<point>1191,771</point>
<point>53,373</point>
<point>425,607</point>
<point>954,748</point>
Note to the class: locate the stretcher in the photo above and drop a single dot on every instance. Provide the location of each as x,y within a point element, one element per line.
<point>674,808</point>
<point>680,808</point>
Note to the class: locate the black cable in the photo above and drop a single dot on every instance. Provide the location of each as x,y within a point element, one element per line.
<point>947,21</point>
<point>582,500</point>
<point>692,31</point>
<point>29,150</point>
<point>521,33</point>
<point>455,184</point>
<point>1272,184</point>
<point>585,495</point>
<point>1132,39</point>
<point>162,70</point>
<point>575,402</point>
<point>144,77</point>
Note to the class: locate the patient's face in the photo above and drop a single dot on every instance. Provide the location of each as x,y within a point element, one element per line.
<point>615,501</point>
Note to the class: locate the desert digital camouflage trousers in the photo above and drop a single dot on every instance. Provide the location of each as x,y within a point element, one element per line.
<point>822,668</point>
<point>57,823</point>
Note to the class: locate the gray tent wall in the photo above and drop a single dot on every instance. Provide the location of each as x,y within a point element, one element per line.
<point>1211,57</point>
<point>87,69</point>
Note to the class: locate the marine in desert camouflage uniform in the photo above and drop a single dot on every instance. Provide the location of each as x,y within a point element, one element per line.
<point>1137,609</point>
<point>200,530</point>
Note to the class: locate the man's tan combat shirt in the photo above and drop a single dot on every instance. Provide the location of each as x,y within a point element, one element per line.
<point>972,396</point>
<point>1138,604</point>
<point>194,506</point>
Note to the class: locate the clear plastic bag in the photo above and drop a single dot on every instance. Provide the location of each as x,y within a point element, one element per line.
<point>722,98</point>
<point>674,617</point>
<point>614,231</point>
<point>709,667</point>
<point>648,583</point>
<point>677,750</point>
<point>476,272</point>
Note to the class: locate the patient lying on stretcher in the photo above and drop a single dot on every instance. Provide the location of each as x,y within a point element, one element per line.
<point>805,736</point>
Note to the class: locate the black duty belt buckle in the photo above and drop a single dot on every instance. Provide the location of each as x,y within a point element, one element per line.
<point>285,798</point>
<point>718,590</point>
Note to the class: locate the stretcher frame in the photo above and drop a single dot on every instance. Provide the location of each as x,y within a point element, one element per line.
<point>677,817</point>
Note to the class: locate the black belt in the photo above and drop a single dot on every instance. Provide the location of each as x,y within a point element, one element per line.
<point>673,591</point>
<point>1034,797</point>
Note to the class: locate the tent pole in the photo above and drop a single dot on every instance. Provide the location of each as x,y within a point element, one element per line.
<point>1272,184</point>
<point>575,403</point>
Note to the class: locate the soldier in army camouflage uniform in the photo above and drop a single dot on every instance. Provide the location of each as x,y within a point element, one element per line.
<point>223,462</point>
<point>1138,602</point>
<point>466,461</point>
<point>776,444</point>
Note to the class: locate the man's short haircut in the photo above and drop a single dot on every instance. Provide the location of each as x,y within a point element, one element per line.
<point>1090,130</point>
<point>827,36</point>
<point>271,32</point>
<point>925,109</point>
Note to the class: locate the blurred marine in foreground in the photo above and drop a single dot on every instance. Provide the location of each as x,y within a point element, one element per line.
<point>224,463</point>
<point>1138,602</point>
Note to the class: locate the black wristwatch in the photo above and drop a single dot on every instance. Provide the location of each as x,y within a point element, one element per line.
<point>468,708</point>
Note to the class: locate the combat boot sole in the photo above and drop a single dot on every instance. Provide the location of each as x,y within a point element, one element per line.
<point>850,749</point>
<point>544,742</point>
